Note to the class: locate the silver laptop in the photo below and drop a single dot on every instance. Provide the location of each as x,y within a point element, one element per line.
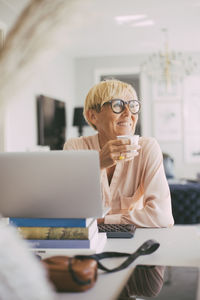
<point>54,184</point>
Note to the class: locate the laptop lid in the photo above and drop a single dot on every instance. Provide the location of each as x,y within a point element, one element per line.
<point>54,184</point>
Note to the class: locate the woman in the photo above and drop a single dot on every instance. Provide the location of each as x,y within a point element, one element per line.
<point>133,180</point>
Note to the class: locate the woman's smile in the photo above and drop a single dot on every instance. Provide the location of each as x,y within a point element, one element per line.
<point>124,124</point>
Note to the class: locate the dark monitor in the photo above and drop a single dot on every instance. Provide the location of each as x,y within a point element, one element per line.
<point>51,122</point>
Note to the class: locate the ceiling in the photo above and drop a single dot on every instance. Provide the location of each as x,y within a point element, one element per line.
<point>101,35</point>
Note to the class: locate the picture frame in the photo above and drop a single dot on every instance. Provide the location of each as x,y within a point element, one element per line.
<point>192,149</point>
<point>168,121</point>
<point>191,112</point>
<point>191,108</point>
<point>167,91</point>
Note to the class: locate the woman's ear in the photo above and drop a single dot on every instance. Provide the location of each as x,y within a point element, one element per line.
<point>91,116</point>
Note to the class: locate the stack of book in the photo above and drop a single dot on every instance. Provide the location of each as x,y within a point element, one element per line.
<point>70,234</point>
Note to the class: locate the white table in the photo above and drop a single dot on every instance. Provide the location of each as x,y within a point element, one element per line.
<point>179,246</point>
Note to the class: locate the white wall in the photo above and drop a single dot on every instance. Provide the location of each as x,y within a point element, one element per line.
<point>85,70</point>
<point>18,124</point>
<point>55,80</point>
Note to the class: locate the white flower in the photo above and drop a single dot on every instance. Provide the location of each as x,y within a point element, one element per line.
<point>22,276</point>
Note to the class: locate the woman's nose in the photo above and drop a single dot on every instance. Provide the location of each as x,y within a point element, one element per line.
<point>126,109</point>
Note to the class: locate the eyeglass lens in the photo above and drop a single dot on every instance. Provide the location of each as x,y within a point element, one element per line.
<point>118,105</point>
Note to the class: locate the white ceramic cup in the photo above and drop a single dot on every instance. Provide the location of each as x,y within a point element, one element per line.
<point>134,138</point>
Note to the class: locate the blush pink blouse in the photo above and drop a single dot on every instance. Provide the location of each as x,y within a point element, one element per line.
<point>138,192</point>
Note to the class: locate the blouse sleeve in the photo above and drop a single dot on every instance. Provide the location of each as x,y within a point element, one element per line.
<point>74,144</point>
<point>156,211</point>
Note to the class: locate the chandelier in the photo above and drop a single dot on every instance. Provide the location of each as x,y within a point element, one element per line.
<point>169,67</point>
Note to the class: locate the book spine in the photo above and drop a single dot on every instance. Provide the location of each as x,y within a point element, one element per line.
<point>44,253</point>
<point>68,244</point>
<point>39,222</point>
<point>58,233</point>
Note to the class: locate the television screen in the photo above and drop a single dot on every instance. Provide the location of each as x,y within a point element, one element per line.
<point>51,121</point>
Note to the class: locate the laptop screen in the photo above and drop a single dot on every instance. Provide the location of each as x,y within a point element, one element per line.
<point>54,184</point>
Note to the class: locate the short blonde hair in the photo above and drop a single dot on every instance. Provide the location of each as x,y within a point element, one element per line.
<point>105,91</point>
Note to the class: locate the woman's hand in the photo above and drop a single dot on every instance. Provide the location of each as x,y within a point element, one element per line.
<point>114,149</point>
<point>100,221</point>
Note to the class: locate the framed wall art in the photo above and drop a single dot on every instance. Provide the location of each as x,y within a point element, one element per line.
<point>191,109</point>
<point>167,121</point>
<point>167,91</point>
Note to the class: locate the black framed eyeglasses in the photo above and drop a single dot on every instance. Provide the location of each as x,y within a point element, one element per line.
<point>118,105</point>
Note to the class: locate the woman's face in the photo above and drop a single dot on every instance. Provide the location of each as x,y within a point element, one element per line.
<point>109,124</point>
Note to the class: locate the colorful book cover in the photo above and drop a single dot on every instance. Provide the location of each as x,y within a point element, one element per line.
<point>48,252</point>
<point>59,233</point>
<point>50,222</point>
<point>68,244</point>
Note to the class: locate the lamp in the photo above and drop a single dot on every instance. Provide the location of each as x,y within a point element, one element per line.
<point>169,66</point>
<point>79,119</point>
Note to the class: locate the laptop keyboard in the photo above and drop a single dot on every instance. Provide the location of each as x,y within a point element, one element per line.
<point>117,230</point>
